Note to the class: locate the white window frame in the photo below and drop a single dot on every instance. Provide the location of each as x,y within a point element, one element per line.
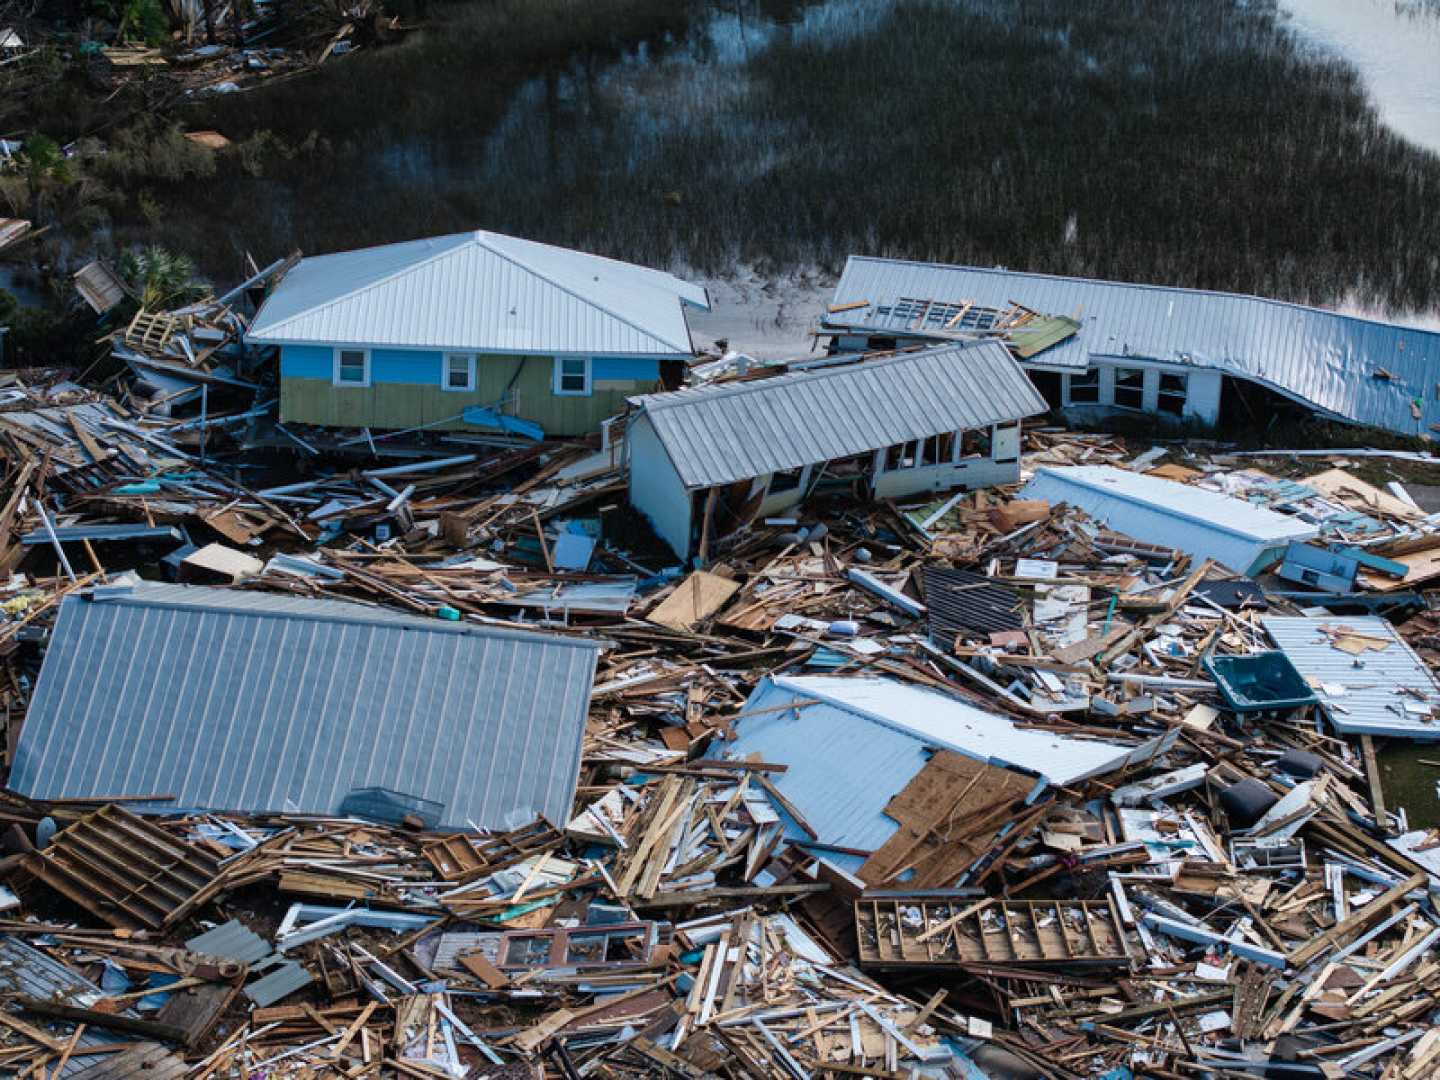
<point>469,359</point>
<point>558,385</point>
<point>1116,389</point>
<point>1182,395</point>
<point>335,368</point>
<point>1070,383</point>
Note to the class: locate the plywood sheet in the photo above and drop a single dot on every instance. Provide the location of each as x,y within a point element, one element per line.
<point>696,598</point>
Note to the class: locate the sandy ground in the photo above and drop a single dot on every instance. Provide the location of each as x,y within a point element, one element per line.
<point>770,319</point>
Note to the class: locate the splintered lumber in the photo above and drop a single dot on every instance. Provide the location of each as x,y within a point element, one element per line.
<point>948,815</point>
<point>1371,912</point>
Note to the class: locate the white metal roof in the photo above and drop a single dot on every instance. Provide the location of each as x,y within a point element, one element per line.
<point>479,291</point>
<point>1324,359</point>
<point>866,738</point>
<point>1370,698</point>
<point>1205,524</point>
<point>718,434</point>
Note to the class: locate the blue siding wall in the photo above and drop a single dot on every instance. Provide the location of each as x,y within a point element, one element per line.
<point>405,366</point>
<point>386,365</point>
<point>423,368</point>
<point>624,367</point>
<point>307,361</point>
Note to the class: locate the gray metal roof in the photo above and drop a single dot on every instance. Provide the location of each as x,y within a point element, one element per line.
<point>1321,358</point>
<point>258,702</point>
<point>1369,699</point>
<point>722,433</point>
<point>479,291</point>
<point>1204,524</point>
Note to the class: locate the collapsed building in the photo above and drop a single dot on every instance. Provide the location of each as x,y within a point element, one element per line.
<point>1105,349</point>
<point>706,462</point>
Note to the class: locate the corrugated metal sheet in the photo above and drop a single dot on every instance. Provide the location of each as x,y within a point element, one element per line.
<point>720,434</point>
<point>1204,524</point>
<point>866,738</point>
<point>962,600</point>
<point>1321,358</point>
<point>30,973</point>
<point>479,291</point>
<point>231,941</point>
<point>255,702</point>
<point>1369,699</point>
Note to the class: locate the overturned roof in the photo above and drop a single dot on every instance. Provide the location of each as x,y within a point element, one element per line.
<point>860,740</point>
<point>1334,364</point>
<point>479,291</point>
<point>256,703</point>
<point>718,434</point>
<point>1392,692</point>
<point>1204,524</point>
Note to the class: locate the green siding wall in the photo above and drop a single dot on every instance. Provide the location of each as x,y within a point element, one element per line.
<point>407,405</point>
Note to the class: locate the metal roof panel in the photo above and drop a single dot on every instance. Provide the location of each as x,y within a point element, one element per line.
<point>1324,359</point>
<point>479,291</point>
<point>255,703</point>
<point>718,434</point>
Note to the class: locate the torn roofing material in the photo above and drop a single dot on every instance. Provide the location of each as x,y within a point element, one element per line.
<point>860,740</point>
<point>1368,679</point>
<point>1204,524</point>
<point>260,703</point>
<point>27,972</point>
<point>718,434</point>
<point>1322,359</point>
<point>479,290</point>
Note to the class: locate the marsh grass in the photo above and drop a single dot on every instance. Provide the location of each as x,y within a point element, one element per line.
<point>1191,144</point>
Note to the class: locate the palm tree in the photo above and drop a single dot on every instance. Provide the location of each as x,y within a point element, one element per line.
<point>161,278</point>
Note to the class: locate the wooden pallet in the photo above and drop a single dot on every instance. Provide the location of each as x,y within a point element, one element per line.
<point>898,930</point>
<point>126,871</point>
<point>150,331</point>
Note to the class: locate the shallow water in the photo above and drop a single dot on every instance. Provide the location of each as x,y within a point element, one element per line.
<point>1395,45</point>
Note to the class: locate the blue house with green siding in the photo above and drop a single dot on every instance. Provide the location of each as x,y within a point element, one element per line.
<point>472,332</point>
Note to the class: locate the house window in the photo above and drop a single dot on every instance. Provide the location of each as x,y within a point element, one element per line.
<point>1129,388</point>
<point>1171,399</point>
<point>786,480</point>
<point>352,367</point>
<point>901,456</point>
<point>572,376</point>
<point>975,443</point>
<point>459,371</point>
<point>1083,387</point>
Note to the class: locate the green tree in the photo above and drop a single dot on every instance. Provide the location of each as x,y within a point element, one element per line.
<point>161,278</point>
<point>146,20</point>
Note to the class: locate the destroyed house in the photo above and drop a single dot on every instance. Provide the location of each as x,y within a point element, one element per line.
<point>1101,348</point>
<point>1204,524</point>
<point>216,699</point>
<point>706,462</point>
<point>474,331</point>
<point>851,745</point>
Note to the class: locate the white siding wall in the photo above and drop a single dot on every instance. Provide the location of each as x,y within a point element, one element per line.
<point>655,487</point>
<point>1202,398</point>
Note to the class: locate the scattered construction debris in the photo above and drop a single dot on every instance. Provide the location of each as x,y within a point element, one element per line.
<point>428,758</point>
